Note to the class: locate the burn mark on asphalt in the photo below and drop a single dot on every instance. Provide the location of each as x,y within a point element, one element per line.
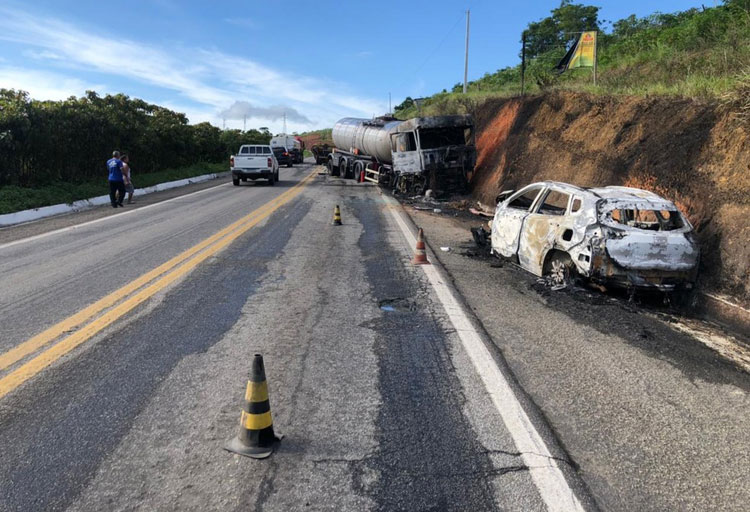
<point>429,457</point>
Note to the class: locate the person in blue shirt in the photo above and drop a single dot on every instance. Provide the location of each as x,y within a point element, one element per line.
<point>116,182</point>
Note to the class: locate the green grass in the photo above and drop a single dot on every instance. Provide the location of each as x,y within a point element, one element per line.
<point>697,53</point>
<point>14,199</point>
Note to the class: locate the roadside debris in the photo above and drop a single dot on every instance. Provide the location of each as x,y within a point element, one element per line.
<point>445,249</point>
<point>481,236</point>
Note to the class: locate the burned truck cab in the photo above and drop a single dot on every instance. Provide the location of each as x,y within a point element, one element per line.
<point>435,153</point>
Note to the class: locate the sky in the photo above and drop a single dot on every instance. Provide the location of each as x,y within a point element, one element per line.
<point>249,63</point>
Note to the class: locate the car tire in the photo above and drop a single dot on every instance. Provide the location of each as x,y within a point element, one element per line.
<point>559,269</point>
<point>272,180</point>
<point>236,182</point>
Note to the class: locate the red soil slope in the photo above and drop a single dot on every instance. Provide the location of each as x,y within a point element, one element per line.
<point>691,152</point>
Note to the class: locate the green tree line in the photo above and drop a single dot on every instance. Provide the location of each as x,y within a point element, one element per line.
<point>43,142</point>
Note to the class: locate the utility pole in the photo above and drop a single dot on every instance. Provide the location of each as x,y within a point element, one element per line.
<point>390,110</point>
<point>285,122</point>
<point>523,61</point>
<point>244,123</point>
<point>596,53</point>
<point>466,56</point>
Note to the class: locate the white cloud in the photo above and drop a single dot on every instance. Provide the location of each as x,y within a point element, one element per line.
<point>41,55</point>
<point>241,22</point>
<point>213,79</point>
<point>45,85</point>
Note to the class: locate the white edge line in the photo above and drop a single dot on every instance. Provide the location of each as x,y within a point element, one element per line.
<point>543,468</point>
<point>102,219</point>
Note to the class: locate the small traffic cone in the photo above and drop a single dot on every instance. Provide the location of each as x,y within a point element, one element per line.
<point>337,216</point>
<point>256,438</point>
<point>420,255</point>
<point>362,176</point>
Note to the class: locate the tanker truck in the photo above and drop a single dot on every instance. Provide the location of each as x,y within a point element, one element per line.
<point>410,156</point>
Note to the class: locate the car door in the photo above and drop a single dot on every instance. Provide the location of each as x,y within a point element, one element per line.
<point>541,229</point>
<point>509,219</point>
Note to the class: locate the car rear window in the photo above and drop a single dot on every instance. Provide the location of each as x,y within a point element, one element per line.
<point>650,220</point>
<point>247,150</point>
<point>266,150</point>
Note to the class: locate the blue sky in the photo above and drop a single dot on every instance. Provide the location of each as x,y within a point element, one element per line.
<point>316,61</point>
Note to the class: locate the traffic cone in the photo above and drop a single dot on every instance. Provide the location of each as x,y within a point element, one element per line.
<point>362,176</point>
<point>420,255</point>
<point>337,216</point>
<point>256,438</point>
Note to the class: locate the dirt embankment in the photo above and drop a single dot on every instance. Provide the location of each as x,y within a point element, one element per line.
<point>691,152</point>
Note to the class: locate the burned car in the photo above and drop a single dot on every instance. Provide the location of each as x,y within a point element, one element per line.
<point>612,235</point>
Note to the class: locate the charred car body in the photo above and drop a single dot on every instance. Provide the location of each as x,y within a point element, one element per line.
<point>612,235</point>
<point>409,156</point>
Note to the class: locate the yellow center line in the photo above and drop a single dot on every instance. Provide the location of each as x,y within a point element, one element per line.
<point>14,379</point>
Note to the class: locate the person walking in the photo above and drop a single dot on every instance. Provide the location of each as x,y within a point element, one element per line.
<point>127,177</point>
<point>116,183</point>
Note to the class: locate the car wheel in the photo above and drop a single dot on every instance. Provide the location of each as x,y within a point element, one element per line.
<point>272,180</point>
<point>236,182</point>
<point>559,269</point>
<point>289,164</point>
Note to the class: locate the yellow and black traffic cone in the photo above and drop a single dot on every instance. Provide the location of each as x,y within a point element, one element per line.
<point>337,216</point>
<point>420,254</point>
<point>256,438</point>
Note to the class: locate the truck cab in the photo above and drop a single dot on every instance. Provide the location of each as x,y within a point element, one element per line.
<point>433,152</point>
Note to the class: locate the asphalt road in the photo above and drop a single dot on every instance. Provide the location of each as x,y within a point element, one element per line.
<point>378,399</point>
<point>654,418</point>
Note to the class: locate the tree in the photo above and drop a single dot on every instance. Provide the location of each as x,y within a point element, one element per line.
<point>407,103</point>
<point>562,28</point>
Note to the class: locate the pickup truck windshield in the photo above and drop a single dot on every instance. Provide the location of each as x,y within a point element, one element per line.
<point>431,138</point>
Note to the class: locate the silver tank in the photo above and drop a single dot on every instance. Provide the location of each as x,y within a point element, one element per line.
<point>371,137</point>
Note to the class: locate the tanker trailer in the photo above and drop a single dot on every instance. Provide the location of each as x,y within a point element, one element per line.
<point>408,156</point>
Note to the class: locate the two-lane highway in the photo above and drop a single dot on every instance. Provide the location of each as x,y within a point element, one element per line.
<point>129,340</point>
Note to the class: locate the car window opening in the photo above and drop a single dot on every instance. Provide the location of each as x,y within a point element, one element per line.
<point>555,203</point>
<point>525,200</point>
<point>650,220</point>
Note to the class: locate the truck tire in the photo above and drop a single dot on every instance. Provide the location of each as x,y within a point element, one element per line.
<point>236,182</point>
<point>343,169</point>
<point>358,168</point>
<point>272,180</point>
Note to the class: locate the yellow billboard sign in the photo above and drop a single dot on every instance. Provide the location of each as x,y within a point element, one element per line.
<point>584,54</point>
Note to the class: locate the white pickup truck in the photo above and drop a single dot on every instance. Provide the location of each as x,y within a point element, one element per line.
<point>252,162</point>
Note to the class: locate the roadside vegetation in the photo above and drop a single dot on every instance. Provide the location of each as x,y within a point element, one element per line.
<point>54,151</point>
<point>14,198</point>
<point>699,53</point>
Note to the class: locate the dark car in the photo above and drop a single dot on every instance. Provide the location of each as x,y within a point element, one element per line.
<point>283,156</point>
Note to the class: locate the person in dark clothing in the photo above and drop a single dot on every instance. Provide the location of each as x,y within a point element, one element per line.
<point>116,182</point>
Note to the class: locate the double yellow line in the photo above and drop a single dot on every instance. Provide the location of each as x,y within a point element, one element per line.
<point>120,302</point>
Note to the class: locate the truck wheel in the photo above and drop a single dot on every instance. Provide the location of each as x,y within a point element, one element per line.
<point>289,164</point>
<point>272,179</point>
<point>343,169</point>
<point>236,182</point>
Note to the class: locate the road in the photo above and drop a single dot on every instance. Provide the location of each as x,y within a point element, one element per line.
<point>127,342</point>
<point>125,355</point>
